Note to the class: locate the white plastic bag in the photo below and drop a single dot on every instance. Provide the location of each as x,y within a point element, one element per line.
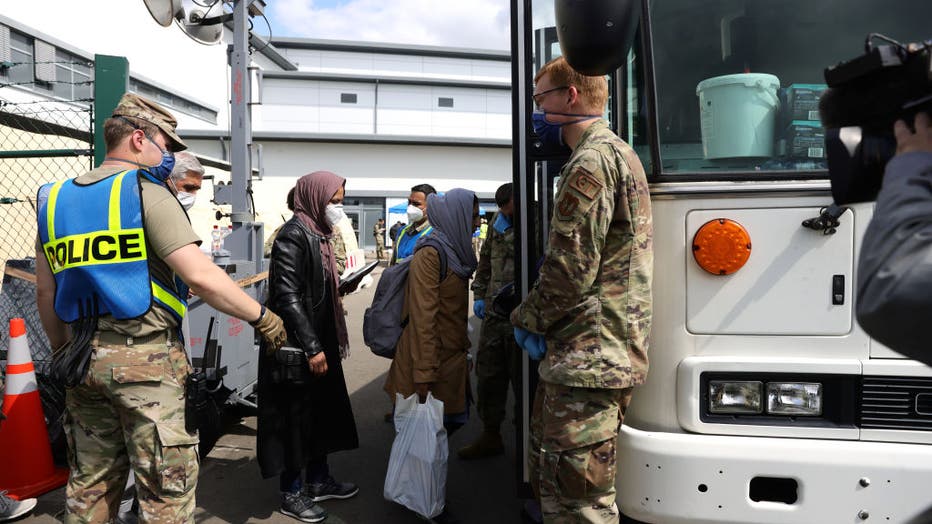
<point>417,468</point>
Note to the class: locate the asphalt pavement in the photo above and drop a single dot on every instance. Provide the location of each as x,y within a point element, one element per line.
<point>230,488</point>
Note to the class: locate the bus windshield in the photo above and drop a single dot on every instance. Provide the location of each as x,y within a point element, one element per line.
<point>738,81</point>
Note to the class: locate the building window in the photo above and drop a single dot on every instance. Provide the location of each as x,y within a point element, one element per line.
<point>5,55</point>
<point>21,53</point>
<point>74,75</point>
<point>45,62</point>
<point>347,98</point>
<point>445,101</point>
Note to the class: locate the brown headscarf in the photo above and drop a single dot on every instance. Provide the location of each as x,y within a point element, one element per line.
<point>312,193</point>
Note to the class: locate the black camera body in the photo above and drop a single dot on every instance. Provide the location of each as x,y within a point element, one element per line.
<point>866,96</point>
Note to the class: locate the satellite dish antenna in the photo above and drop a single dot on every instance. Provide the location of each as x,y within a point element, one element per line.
<point>164,11</point>
<point>202,29</point>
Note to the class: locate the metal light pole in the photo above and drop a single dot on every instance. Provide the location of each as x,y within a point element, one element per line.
<point>245,243</point>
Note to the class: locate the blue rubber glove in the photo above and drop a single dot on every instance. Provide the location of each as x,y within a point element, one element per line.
<point>536,346</point>
<point>502,223</point>
<point>521,337</point>
<point>531,342</point>
<point>478,307</point>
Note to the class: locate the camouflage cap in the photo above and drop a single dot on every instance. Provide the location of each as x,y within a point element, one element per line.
<point>135,106</point>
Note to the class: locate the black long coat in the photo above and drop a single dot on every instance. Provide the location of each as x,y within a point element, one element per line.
<point>301,417</point>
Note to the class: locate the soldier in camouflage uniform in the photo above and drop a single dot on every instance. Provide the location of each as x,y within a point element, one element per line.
<point>378,231</point>
<point>497,361</point>
<point>588,315</point>
<point>269,242</point>
<point>126,408</point>
<point>339,249</point>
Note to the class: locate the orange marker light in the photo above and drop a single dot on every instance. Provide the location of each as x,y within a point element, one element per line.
<point>721,246</point>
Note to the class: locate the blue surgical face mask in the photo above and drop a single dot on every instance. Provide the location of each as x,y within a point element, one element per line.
<point>164,169</point>
<point>550,133</point>
<point>502,223</point>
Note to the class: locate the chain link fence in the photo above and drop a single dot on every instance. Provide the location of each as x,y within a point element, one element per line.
<point>43,138</point>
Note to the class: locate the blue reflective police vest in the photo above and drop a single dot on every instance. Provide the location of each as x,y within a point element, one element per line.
<point>93,237</point>
<point>406,243</point>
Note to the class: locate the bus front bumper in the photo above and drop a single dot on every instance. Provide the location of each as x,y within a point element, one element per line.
<point>673,477</point>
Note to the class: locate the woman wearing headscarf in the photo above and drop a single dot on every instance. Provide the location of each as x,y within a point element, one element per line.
<point>431,353</point>
<point>304,408</point>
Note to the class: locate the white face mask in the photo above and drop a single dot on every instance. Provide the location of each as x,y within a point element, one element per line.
<point>186,199</point>
<point>333,214</point>
<point>414,214</point>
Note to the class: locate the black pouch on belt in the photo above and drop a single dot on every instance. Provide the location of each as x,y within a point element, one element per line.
<point>195,399</point>
<point>289,367</point>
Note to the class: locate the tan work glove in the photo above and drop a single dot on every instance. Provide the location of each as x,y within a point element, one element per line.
<point>272,329</point>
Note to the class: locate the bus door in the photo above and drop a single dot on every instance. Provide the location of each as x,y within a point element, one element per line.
<point>536,174</point>
<point>753,267</point>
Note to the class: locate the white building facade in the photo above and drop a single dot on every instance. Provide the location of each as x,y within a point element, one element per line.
<point>384,116</point>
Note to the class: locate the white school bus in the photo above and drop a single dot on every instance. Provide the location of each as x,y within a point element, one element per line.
<point>765,401</point>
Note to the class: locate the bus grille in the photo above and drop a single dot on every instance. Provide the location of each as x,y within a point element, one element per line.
<point>903,403</point>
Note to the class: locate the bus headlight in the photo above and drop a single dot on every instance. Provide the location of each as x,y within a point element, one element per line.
<point>794,398</point>
<point>727,396</point>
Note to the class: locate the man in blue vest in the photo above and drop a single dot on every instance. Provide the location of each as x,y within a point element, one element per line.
<point>418,225</point>
<point>111,243</point>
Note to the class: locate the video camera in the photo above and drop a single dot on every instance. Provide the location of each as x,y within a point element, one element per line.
<point>866,95</point>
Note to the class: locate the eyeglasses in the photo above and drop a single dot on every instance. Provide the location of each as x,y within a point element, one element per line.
<point>536,96</point>
<point>139,128</point>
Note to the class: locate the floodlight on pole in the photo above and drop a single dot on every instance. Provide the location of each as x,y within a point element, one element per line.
<point>164,11</point>
<point>203,22</point>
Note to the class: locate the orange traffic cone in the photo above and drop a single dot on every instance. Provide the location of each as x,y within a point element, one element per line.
<point>26,467</point>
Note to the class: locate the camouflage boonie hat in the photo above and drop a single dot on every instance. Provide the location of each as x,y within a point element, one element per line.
<point>135,106</point>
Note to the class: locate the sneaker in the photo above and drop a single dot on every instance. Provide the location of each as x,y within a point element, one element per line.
<point>330,489</point>
<point>301,507</point>
<point>489,444</point>
<point>11,509</point>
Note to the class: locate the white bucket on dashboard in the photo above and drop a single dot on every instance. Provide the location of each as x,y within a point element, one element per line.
<point>738,114</point>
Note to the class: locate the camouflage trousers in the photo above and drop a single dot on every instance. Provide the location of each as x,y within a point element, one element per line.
<point>571,453</point>
<point>129,412</point>
<point>379,249</point>
<point>498,363</point>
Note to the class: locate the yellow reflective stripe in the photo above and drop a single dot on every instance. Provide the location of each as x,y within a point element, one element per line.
<point>168,299</point>
<point>96,248</point>
<point>114,220</point>
<point>50,207</point>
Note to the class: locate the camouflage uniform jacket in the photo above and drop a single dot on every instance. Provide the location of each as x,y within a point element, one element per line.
<point>339,250</point>
<point>496,264</point>
<point>592,300</point>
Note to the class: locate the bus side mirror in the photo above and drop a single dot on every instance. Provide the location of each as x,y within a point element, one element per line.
<point>596,35</point>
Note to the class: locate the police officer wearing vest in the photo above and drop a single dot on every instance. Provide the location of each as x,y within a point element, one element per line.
<point>418,225</point>
<point>115,255</point>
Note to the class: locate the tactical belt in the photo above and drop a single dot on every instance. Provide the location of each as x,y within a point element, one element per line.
<point>111,338</point>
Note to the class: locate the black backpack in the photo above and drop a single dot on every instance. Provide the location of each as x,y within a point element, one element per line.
<point>382,323</point>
